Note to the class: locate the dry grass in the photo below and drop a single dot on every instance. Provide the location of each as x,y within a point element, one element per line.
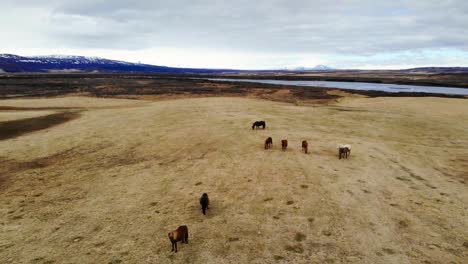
<point>108,186</point>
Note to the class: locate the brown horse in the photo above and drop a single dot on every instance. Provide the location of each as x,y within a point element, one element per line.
<point>268,143</point>
<point>305,146</point>
<point>284,144</point>
<point>180,234</point>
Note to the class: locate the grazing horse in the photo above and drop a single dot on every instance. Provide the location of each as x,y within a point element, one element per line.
<point>204,201</point>
<point>284,144</point>
<point>180,234</point>
<point>258,124</point>
<point>268,143</point>
<point>305,146</point>
<point>344,151</point>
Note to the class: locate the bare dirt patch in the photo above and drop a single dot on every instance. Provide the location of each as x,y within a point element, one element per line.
<point>16,128</point>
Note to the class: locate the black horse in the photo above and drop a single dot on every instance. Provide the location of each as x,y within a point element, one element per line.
<point>204,202</point>
<point>258,124</point>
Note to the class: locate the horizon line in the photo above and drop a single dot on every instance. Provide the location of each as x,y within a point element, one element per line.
<point>285,68</point>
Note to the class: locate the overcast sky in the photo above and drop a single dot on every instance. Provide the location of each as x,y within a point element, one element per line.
<point>244,34</point>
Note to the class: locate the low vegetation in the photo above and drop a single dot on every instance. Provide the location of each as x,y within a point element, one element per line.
<point>107,184</point>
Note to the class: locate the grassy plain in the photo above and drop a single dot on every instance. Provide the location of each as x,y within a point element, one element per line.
<point>106,185</point>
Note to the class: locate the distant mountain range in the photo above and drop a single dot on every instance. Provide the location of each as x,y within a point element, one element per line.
<point>68,64</point>
<point>316,68</point>
<point>10,63</point>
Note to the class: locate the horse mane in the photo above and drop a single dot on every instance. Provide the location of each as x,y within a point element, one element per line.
<point>344,146</point>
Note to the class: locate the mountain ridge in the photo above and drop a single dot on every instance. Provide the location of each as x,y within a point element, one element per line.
<point>11,63</point>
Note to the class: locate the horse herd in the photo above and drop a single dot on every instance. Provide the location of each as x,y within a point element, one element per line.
<point>284,144</point>
<point>344,150</point>
<point>181,233</point>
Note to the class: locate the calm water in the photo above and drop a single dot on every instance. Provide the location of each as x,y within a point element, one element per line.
<point>392,88</point>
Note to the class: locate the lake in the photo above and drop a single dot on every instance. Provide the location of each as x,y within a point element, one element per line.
<point>392,88</point>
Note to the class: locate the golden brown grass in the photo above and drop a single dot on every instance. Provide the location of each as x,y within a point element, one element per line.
<point>108,186</point>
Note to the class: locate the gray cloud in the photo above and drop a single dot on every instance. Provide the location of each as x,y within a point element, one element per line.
<point>330,27</point>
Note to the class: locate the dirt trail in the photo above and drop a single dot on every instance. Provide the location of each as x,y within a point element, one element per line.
<point>108,186</point>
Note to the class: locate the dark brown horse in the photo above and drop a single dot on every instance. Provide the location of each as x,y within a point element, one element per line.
<point>268,143</point>
<point>305,146</point>
<point>284,144</point>
<point>258,124</point>
<point>344,151</point>
<point>180,234</point>
<point>204,202</point>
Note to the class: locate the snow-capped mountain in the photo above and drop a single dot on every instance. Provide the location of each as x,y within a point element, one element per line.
<point>322,68</point>
<point>65,63</point>
<point>303,68</point>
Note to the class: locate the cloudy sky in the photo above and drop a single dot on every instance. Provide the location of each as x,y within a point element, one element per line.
<point>244,34</point>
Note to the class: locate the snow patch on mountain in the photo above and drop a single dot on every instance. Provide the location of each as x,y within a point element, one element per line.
<point>70,63</point>
<point>10,56</point>
<point>304,68</point>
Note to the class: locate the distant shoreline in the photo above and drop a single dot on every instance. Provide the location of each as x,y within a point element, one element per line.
<point>456,80</point>
<point>157,86</point>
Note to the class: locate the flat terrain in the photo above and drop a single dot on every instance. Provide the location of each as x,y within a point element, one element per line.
<point>412,77</point>
<point>157,87</point>
<point>104,180</point>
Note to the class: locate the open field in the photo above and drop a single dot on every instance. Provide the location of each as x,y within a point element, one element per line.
<point>105,180</point>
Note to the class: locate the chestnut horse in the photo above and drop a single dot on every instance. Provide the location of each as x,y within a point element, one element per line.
<point>305,146</point>
<point>180,234</point>
<point>284,144</point>
<point>268,143</point>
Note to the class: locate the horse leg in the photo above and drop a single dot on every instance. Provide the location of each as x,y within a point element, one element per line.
<point>186,238</point>
<point>175,244</point>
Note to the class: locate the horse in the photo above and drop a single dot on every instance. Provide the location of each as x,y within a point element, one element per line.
<point>284,144</point>
<point>344,151</point>
<point>268,143</point>
<point>258,124</point>
<point>204,201</point>
<point>305,146</point>
<point>180,234</point>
